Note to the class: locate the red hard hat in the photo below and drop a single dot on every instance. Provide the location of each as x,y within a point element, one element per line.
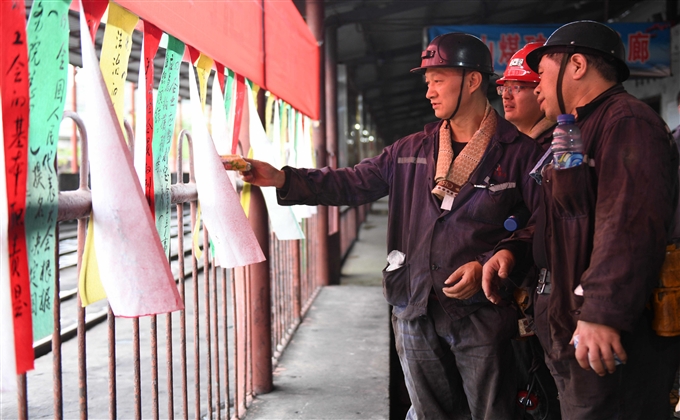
<point>518,69</point>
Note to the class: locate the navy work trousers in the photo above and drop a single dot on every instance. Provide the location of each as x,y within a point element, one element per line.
<point>637,390</point>
<point>458,369</point>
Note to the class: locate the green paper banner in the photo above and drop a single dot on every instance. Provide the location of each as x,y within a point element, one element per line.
<point>47,33</point>
<point>164,127</point>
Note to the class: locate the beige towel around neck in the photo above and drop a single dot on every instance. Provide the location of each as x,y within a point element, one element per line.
<point>451,173</point>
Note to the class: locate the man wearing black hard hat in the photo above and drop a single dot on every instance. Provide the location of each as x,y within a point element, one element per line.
<point>601,234</point>
<point>451,187</point>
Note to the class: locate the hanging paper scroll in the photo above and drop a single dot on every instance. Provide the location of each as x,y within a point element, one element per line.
<point>234,240</point>
<point>115,55</point>
<point>8,373</point>
<point>15,122</point>
<point>47,33</point>
<point>283,221</point>
<point>164,126</point>
<point>143,155</point>
<point>134,269</point>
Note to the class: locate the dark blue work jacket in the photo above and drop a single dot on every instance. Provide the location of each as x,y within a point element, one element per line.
<point>436,242</point>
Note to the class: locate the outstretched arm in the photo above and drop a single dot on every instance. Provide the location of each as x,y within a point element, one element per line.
<point>263,174</point>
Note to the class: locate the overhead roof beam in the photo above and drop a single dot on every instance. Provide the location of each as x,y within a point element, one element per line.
<point>372,13</point>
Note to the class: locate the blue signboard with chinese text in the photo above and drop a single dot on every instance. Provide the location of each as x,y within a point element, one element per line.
<point>648,45</point>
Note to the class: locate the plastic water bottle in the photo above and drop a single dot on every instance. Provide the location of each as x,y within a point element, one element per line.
<point>567,146</point>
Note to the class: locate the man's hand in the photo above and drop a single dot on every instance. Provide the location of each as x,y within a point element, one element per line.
<point>497,268</point>
<point>263,174</point>
<point>597,344</point>
<point>466,281</point>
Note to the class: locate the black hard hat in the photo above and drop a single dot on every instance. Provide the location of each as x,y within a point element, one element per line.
<point>456,50</point>
<point>588,37</point>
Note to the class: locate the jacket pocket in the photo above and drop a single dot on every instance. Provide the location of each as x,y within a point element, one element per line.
<point>396,286</point>
<point>572,191</point>
<point>493,206</point>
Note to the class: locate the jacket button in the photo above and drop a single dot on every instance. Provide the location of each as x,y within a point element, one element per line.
<point>434,267</point>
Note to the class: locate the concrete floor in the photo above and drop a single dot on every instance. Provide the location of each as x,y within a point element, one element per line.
<point>337,364</point>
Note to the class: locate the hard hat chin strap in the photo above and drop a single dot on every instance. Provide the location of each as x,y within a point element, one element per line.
<point>560,76</point>
<point>460,95</point>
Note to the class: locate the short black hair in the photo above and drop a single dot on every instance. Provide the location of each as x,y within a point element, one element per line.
<point>605,66</point>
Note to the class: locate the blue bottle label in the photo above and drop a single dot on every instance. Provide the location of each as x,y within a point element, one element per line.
<point>568,159</point>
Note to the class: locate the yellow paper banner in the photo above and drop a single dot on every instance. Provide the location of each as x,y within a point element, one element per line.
<point>113,63</point>
<point>89,282</point>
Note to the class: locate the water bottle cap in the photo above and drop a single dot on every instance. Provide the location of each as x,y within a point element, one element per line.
<point>566,118</point>
<point>510,224</point>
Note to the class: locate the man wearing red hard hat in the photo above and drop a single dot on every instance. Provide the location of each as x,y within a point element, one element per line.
<point>516,87</point>
<point>520,104</point>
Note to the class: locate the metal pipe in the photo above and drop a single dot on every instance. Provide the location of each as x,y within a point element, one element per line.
<point>82,233</point>
<point>295,257</point>
<point>225,285</point>
<point>22,396</point>
<point>216,336</point>
<point>207,309</point>
<point>237,358</point>
<point>168,361</point>
<point>315,21</point>
<point>153,332</point>
<point>331,90</point>
<point>180,258</point>
<point>260,288</point>
<point>57,387</point>
<point>113,413</point>
<point>136,368</point>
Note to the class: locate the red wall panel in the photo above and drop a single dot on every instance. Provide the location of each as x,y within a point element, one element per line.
<point>291,57</point>
<point>229,32</point>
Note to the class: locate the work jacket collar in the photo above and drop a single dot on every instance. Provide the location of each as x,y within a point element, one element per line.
<point>588,108</point>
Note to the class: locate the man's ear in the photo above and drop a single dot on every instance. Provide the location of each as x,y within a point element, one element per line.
<point>474,81</point>
<point>580,65</point>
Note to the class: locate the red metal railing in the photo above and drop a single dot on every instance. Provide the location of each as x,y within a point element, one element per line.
<point>202,366</point>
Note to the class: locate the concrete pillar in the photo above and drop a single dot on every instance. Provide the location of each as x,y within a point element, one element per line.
<point>314,10</point>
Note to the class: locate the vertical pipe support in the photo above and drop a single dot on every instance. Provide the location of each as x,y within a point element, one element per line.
<point>314,10</point>
<point>260,283</point>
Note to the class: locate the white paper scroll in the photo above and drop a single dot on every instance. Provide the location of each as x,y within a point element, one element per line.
<point>134,270</point>
<point>283,220</point>
<point>228,227</point>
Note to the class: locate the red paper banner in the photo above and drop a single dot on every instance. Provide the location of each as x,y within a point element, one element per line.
<point>15,108</point>
<point>152,38</point>
<point>94,10</point>
<point>220,74</point>
<point>238,116</point>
